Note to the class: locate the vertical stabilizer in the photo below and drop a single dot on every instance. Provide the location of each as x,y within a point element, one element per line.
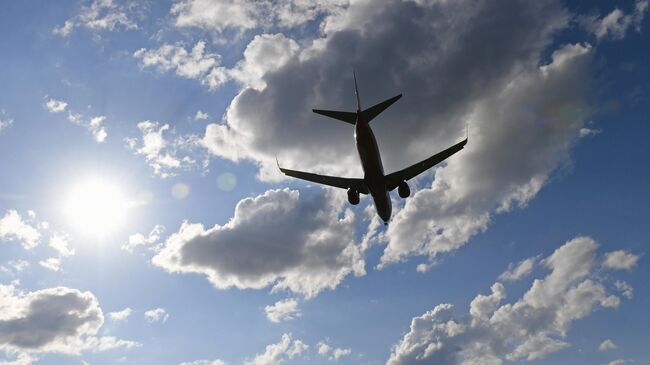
<point>356,91</point>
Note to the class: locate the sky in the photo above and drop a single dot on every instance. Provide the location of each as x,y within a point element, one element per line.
<point>143,219</point>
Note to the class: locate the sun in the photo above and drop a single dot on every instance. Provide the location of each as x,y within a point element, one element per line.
<point>95,207</point>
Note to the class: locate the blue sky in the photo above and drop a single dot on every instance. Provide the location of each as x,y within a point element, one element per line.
<point>143,219</point>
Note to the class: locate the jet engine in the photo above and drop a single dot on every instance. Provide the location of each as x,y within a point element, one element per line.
<point>404,190</point>
<point>353,197</point>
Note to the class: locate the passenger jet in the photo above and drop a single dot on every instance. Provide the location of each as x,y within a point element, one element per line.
<point>374,182</point>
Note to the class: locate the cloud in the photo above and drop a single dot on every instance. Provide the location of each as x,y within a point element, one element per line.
<point>535,325</point>
<point>215,15</point>
<point>14,228</point>
<point>620,260</point>
<point>60,319</point>
<point>55,106</point>
<point>5,123</point>
<point>443,89</point>
<point>339,353</point>
<point>120,315</point>
<point>100,15</point>
<point>204,362</point>
<point>303,244</point>
<point>194,64</point>
<point>59,242</point>
<point>138,239</point>
<point>617,362</point>
<point>279,352</point>
<point>607,345</point>
<point>95,125</point>
<point>282,310</point>
<point>519,271</point>
<point>51,263</point>
<point>230,17</point>
<point>165,156</point>
<point>491,80</point>
<point>615,24</point>
<point>156,315</point>
<point>264,53</point>
<point>588,132</point>
<point>325,349</point>
<point>625,288</point>
<point>200,115</point>
<point>105,343</point>
<point>15,267</point>
<point>537,117</point>
<point>21,359</point>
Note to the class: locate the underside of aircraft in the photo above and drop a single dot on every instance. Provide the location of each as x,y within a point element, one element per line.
<point>374,182</point>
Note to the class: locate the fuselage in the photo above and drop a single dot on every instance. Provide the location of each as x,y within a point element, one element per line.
<point>373,170</point>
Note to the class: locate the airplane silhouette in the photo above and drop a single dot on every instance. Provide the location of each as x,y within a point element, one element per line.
<point>374,181</point>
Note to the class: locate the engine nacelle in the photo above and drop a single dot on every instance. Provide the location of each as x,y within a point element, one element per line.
<point>404,190</point>
<point>353,197</point>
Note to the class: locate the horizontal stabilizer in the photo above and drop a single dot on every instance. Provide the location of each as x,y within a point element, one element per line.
<point>347,117</point>
<point>370,113</point>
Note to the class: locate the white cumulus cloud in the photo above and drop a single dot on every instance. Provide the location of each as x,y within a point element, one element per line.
<point>617,362</point>
<point>531,327</point>
<point>59,242</point>
<point>5,123</point>
<point>138,239</point>
<point>519,271</point>
<point>607,345</point>
<point>620,260</point>
<point>625,288</point>
<point>282,310</point>
<point>51,263</point>
<point>279,352</point>
<point>120,315</point>
<point>101,15</point>
<point>615,24</point>
<point>232,18</point>
<point>156,315</point>
<point>60,319</point>
<point>55,106</point>
<point>94,125</point>
<point>325,350</point>
<point>165,155</point>
<point>264,53</point>
<point>201,115</point>
<point>303,244</point>
<point>13,227</point>
<point>204,362</point>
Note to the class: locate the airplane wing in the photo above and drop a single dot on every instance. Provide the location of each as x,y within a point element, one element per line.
<point>393,180</point>
<point>338,182</point>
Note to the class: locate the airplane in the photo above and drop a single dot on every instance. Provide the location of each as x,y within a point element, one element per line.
<point>374,182</point>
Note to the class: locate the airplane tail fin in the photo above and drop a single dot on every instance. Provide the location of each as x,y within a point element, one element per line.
<point>370,113</point>
<point>367,115</point>
<point>356,91</point>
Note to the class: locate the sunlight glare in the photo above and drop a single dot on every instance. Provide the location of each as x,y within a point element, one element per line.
<point>96,207</point>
